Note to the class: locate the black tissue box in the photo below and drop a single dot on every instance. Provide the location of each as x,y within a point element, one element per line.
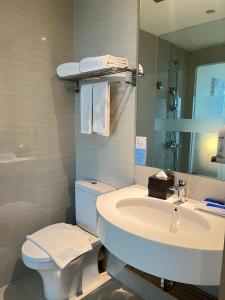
<point>160,188</point>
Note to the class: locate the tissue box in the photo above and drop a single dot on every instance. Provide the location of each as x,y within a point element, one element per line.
<point>160,188</point>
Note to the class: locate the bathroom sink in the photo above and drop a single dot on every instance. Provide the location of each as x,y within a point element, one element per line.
<point>161,215</point>
<point>158,237</point>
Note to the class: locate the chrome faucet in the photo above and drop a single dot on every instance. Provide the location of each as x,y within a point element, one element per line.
<point>181,191</point>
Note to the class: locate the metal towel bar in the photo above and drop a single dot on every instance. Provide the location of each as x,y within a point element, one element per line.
<point>99,74</point>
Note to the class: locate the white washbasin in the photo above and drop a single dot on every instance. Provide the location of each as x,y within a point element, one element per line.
<point>160,215</point>
<point>185,245</point>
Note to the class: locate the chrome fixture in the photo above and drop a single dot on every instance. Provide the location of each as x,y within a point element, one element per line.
<point>98,74</point>
<point>181,191</point>
<point>174,102</point>
<point>172,145</point>
<point>173,91</point>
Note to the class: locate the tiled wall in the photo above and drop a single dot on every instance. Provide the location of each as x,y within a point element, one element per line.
<point>198,187</point>
<point>146,93</point>
<point>36,111</point>
<point>108,27</point>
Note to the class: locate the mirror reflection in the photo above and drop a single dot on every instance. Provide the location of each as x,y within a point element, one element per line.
<point>181,98</point>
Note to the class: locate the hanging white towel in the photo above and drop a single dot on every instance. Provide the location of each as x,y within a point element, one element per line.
<point>102,62</point>
<point>62,242</point>
<point>68,69</point>
<point>101,108</point>
<point>86,104</point>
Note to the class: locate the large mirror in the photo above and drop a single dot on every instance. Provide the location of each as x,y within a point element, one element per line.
<point>181,98</point>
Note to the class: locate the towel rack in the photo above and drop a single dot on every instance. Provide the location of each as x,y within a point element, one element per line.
<point>101,73</point>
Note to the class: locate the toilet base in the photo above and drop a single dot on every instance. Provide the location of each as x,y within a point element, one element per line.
<point>74,279</point>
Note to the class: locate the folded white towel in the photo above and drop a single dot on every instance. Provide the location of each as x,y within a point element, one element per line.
<point>68,69</point>
<point>101,108</point>
<point>124,76</point>
<point>86,104</point>
<point>116,77</point>
<point>102,62</point>
<point>62,242</point>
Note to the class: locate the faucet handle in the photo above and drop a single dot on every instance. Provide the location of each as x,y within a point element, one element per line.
<point>182,182</point>
<point>174,188</point>
<point>180,188</point>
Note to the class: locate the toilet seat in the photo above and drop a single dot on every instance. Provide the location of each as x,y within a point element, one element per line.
<point>35,258</point>
<point>32,252</point>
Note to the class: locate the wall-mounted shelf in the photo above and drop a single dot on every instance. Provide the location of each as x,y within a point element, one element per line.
<point>214,160</point>
<point>97,74</point>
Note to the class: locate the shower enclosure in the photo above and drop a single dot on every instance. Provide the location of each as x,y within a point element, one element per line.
<point>169,103</point>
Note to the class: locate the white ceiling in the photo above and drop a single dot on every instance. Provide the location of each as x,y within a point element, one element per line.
<point>173,15</point>
<point>199,37</point>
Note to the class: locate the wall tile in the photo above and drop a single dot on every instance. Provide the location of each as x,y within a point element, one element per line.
<point>198,187</point>
<point>36,111</point>
<point>108,27</point>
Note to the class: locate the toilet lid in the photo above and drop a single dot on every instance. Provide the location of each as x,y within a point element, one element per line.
<point>35,254</point>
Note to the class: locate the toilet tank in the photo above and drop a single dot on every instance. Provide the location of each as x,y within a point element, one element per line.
<point>86,193</point>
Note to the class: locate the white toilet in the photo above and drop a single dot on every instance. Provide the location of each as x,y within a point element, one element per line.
<point>74,279</point>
